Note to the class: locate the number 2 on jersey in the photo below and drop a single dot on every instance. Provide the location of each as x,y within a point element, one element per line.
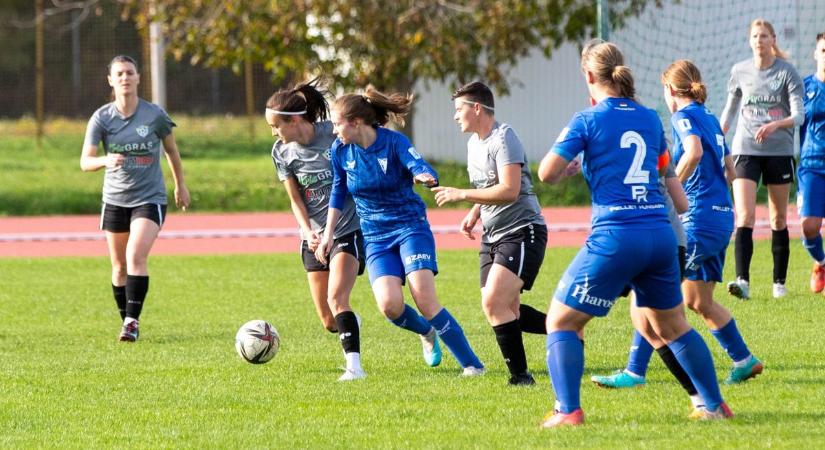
<point>635,175</point>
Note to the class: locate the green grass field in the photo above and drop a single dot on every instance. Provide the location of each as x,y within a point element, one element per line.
<point>65,382</point>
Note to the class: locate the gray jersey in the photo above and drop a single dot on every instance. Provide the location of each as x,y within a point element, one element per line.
<point>138,138</point>
<point>765,96</point>
<point>310,166</point>
<point>485,157</point>
<point>672,215</point>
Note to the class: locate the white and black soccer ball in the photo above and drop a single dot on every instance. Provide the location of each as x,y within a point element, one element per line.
<point>257,341</point>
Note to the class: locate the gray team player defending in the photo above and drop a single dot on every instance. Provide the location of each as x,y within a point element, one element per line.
<point>766,91</point>
<point>131,131</point>
<point>514,233</point>
<point>297,117</point>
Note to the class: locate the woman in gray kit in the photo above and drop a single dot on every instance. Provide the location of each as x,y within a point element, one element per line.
<point>298,117</point>
<point>766,91</point>
<point>131,131</point>
<point>514,233</point>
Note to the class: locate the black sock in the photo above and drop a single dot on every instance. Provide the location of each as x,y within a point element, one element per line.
<point>781,249</point>
<point>120,298</point>
<point>136,288</point>
<point>508,336</point>
<point>676,369</point>
<point>743,249</point>
<point>348,332</point>
<point>531,320</point>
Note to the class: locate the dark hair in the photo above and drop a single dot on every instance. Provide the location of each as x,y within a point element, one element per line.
<point>123,59</point>
<point>606,62</point>
<point>374,107</point>
<point>820,36</point>
<point>685,79</point>
<point>310,97</point>
<point>476,92</point>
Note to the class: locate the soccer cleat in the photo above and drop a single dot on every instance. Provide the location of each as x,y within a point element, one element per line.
<point>817,278</point>
<point>779,290</point>
<point>739,374</point>
<point>353,374</point>
<point>471,371</point>
<point>522,379</point>
<point>431,348</point>
<point>129,332</point>
<point>702,413</point>
<point>557,418</point>
<point>619,380</point>
<point>740,289</point>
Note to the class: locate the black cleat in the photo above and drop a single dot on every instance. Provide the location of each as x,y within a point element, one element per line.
<point>522,379</point>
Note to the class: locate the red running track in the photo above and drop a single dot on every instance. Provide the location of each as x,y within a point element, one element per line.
<point>197,233</point>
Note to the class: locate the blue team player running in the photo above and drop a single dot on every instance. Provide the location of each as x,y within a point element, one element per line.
<point>811,191</point>
<point>704,165</point>
<point>378,167</point>
<point>631,243</point>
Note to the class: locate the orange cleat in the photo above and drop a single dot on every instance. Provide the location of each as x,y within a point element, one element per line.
<point>702,413</point>
<point>556,419</point>
<point>817,278</point>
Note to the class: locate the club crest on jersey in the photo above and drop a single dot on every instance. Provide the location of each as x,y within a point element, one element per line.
<point>775,84</point>
<point>412,152</point>
<point>383,163</point>
<point>328,154</point>
<point>142,131</point>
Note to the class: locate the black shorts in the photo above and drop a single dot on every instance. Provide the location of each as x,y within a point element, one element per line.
<point>352,243</point>
<point>117,219</point>
<point>521,252</point>
<point>772,169</point>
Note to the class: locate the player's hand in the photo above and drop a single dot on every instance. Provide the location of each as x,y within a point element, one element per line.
<point>425,179</point>
<point>468,224</point>
<point>114,160</point>
<point>573,168</point>
<point>182,197</point>
<point>446,194</point>
<point>314,241</point>
<point>323,249</point>
<point>764,131</point>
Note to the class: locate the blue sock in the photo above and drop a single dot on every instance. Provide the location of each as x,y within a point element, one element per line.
<point>451,333</point>
<point>411,320</point>
<point>640,353</point>
<point>730,340</point>
<point>814,247</point>
<point>565,362</point>
<point>693,355</point>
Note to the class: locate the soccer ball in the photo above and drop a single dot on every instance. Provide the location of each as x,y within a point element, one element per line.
<point>257,341</point>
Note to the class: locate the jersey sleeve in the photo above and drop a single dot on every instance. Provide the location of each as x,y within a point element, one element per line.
<point>163,124</point>
<point>282,169</point>
<point>411,159</point>
<point>572,140</point>
<point>683,125</point>
<point>796,94</point>
<point>94,131</point>
<point>733,101</point>
<point>509,150</point>
<point>338,194</point>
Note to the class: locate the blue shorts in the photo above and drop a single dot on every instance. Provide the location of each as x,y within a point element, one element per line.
<point>810,193</point>
<point>647,260</point>
<point>705,256</point>
<point>407,251</point>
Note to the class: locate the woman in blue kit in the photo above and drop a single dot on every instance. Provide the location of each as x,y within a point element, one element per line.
<point>811,191</point>
<point>623,147</point>
<point>378,167</point>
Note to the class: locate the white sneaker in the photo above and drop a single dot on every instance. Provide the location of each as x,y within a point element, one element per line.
<point>353,374</point>
<point>740,288</point>
<point>779,290</point>
<point>471,371</point>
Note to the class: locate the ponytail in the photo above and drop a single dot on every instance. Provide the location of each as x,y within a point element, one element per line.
<point>606,62</point>
<point>375,107</point>
<point>685,79</point>
<point>309,100</point>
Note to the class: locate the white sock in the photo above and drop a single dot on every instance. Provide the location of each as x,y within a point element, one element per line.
<point>129,320</point>
<point>696,401</point>
<point>743,362</point>
<point>353,361</point>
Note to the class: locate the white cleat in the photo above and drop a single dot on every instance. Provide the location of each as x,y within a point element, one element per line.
<point>779,290</point>
<point>471,371</point>
<point>353,374</point>
<point>740,288</point>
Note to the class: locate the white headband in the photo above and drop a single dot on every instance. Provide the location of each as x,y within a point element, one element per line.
<point>479,104</point>
<point>286,113</point>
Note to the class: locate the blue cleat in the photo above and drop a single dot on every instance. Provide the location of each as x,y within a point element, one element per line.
<point>619,380</point>
<point>739,374</point>
<point>431,349</point>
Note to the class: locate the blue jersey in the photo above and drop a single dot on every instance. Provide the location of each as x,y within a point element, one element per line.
<point>380,179</point>
<point>812,132</point>
<point>707,192</point>
<point>621,143</point>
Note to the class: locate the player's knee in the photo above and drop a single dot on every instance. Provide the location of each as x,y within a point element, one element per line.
<point>810,227</point>
<point>778,223</point>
